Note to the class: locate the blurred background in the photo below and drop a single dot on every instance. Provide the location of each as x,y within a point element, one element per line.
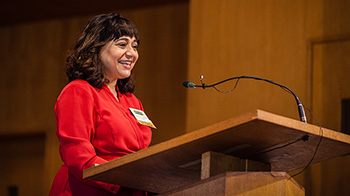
<point>302,44</point>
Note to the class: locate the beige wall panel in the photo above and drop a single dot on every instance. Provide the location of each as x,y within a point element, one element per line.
<point>331,73</point>
<point>256,38</point>
<point>275,40</point>
<point>331,78</point>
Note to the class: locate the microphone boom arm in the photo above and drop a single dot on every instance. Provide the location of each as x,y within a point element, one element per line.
<point>300,105</point>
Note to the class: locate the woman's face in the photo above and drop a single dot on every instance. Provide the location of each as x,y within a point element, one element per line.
<point>118,58</point>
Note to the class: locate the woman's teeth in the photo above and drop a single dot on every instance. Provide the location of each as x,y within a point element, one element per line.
<point>125,62</point>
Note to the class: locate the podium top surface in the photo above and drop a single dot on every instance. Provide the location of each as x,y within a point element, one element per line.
<point>257,135</point>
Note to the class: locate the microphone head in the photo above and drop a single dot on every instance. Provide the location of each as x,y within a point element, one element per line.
<point>188,84</point>
<point>185,83</point>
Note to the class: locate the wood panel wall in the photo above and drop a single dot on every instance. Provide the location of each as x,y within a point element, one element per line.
<point>258,38</point>
<point>280,41</point>
<point>32,60</point>
<point>331,78</point>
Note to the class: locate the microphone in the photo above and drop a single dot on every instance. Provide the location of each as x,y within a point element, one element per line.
<point>301,110</point>
<point>188,84</point>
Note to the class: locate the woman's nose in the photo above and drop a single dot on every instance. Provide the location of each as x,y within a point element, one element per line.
<point>131,52</point>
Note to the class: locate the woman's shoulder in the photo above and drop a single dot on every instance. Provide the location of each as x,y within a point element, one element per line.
<point>78,86</point>
<point>75,94</point>
<point>78,83</point>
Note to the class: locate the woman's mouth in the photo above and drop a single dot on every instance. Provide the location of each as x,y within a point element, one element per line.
<point>126,64</point>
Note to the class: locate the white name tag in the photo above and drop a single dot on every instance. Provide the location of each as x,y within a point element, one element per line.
<point>141,117</point>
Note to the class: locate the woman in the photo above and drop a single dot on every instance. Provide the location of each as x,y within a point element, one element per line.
<point>94,123</point>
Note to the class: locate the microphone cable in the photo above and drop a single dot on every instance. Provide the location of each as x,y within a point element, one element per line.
<point>317,146</point>
<point>300,105</point>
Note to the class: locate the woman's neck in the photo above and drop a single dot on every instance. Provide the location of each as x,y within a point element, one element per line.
<point>112,87</point>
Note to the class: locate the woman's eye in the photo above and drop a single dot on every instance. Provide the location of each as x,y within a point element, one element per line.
<point>121,44</point>
<point>135,46</point>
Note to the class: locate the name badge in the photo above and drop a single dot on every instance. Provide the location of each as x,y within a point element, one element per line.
<point>142,118</point>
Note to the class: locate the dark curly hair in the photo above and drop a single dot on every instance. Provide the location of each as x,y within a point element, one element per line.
<point>84,62</point>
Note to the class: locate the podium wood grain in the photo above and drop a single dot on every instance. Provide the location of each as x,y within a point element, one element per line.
<point>175,163</point>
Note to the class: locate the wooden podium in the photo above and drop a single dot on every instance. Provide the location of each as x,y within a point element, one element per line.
<point>174,166</point>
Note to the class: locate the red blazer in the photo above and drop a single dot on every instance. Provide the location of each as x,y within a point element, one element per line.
<point>93,127</point>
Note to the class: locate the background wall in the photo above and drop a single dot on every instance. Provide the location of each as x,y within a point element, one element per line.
<point>32,59</point>
<point>258,38</point>
<point>302,44</point>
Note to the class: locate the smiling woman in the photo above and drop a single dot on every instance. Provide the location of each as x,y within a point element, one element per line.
<point>94,122</point>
